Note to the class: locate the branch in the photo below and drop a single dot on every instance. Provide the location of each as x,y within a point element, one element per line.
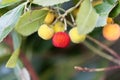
<point>71,9</point>
<point>95,69</point>
<point>62,16</point>
<point>112,52</point>
<point>101,53</point>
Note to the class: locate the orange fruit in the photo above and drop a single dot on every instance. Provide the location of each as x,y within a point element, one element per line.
<point>111,32</point>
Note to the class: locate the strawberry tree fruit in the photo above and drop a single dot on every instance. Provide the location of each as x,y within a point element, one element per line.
<point>45,32</point>
<point>59,26</point>
<point>49,18</point>
<point>109,20</point>
<point>75,36</point>
<point>75,11</point>
<point>111,32</point>
<point>61,39</point>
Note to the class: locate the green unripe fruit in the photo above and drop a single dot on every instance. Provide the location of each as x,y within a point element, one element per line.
<point>75,36</point>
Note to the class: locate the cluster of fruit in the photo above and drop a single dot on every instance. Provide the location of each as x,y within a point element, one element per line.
<point>60,38</point>
<point>111,31</point>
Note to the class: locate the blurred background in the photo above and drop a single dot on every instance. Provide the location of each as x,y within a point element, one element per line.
<point>51,63</point>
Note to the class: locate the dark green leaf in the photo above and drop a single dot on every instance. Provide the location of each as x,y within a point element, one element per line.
<point>30,22</point>
<point>103,10</point>
<point>116,11</point>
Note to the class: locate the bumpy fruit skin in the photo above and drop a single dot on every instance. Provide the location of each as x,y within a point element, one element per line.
<point>109,20</point>
<point>49,18</point>
<point>75,36</point>
<point>45,32</point>
<point>58,27</point>
<point>61,40</point>
<point>111,32</point>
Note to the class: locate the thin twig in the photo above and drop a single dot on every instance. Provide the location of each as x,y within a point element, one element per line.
<point>84,69</point>
<point>112,52</point>
<point>62,16</point>
<point>71,9</point>
<point>69,23</point>
<point>101,53</point>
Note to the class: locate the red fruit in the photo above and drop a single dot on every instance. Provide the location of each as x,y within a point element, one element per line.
<point>61,39</point>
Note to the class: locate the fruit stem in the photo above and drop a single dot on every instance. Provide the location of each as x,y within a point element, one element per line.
<point>65,24</point>
<point>71,9</point>
<point>62,16</point>
<point>101,53</point>
<point>73,20</point>
<point>112,52</point>
<point>69,23</point>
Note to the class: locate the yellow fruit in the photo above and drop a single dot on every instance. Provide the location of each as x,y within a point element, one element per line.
<point>75,11</point>
<point>58,27</point>
<point>49,18</point>
<point>45,32</point>
<point>109,20</point>
<point>111,32</point>
<point>75,36</point>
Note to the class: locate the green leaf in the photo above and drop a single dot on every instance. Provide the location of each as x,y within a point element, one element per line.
<point>96,2</point>
<point>103,10</point>
<point>5,3</point>
<point>17,40</point>
<point>86,18</point>
<point>13,59</point>
<point>49,2</point>
<point>8,20</point>
<point>30,22</point>
<point>101,20</point>
<point>116,11</point>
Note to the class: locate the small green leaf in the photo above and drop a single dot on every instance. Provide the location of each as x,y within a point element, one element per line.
<point>103,10</point>
<point>8,20</point>
<point>116,11</point>
<point>5,3</point>
<point>49,2</point>
<point>30,22</point>
<point>13,59</point>
<point>86,18</point>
